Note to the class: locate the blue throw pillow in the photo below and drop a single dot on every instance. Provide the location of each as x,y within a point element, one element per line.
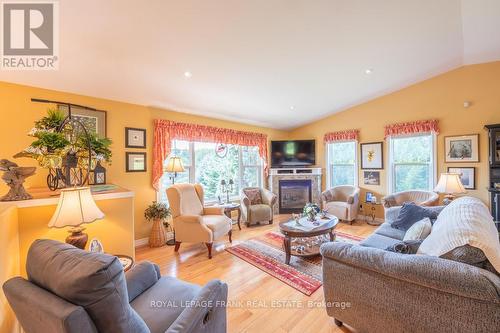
<point>411,213</point>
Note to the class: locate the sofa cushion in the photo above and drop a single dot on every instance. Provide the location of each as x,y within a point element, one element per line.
<point>405,247</point>
<point>94,281</point>
<point>387,230</point>
<point>261,213</point>
<point>411,213</point>
<point>419,230</point>
<point>161,304</point>
<point>467,254</point>
<point>337,208</point>
<point>379,241</point>
<point>254,195</point>
<point>219,224</point>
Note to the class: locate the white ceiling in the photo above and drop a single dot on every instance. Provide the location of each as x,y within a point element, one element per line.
<point>251,60</point>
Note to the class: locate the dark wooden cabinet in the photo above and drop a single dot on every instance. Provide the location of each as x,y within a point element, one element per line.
<point>494,161</point>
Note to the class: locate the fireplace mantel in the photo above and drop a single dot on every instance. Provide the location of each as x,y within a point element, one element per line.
<point>313,174</point>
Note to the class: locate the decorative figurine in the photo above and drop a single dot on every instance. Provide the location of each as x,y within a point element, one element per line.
<point>14,177</point>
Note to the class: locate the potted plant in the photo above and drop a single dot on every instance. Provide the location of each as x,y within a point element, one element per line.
<point>311,210</point>
<point>158,213</point>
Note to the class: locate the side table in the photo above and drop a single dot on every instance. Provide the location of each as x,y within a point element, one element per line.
<point>372,213</point>
<point>230,207</point>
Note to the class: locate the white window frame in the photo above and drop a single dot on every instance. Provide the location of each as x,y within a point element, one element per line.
<point>191,169</point>
<point>392,166</point>
<point>329,165</point>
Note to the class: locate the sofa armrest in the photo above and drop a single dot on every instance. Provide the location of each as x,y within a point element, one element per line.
<point>354,197</point>
<point>326,196</point>
<point>268,197</point>
<point>245,201</point>
<point>141,277</point>
<point>205,313</point>
<point>193,219</point>
<point>426,271</point>
<point>213,210</point>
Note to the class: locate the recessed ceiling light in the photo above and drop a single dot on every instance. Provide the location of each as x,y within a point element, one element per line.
<point>188,74</point>
<point>368,71</point>
<point>292,107</point>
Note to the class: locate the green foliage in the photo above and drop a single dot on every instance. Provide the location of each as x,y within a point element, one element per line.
<point>99,146</point>
<point>157,211</point>
<point>51,121</point>
<point>411,156</point>
<point>51,141</point>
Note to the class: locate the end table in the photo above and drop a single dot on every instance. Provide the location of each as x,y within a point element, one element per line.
<point>372,213</point>
<point>230,207</point>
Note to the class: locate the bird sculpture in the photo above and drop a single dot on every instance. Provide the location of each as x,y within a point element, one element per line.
<point>14,176</point>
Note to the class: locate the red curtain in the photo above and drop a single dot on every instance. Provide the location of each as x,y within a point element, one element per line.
<point>419,126</point>
<point>352,134</point>
<point>165,131</point>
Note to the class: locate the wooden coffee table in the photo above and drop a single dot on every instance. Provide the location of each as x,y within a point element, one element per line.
<point>311,246</point>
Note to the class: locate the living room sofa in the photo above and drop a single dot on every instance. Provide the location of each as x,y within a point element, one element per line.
<point>394,292</point>
<point>73,291</point>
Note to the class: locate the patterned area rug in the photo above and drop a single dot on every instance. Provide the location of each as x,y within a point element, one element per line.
<point>266,253</point>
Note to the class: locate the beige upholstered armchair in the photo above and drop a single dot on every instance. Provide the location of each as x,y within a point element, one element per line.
<point>257,205</point>
<point>421,198</point>
<point>342,201</point>
<point>194,223</point>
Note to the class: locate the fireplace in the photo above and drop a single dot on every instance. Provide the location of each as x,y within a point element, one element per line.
<point>294,194</point>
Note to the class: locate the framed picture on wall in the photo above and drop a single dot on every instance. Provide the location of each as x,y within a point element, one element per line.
<point>135,162</point>
<point>467,176</point>
<point>135,137</point>
<point>93,120</point>
<point>462,148</point>
<point>372,155</point>
<point>371,177</point>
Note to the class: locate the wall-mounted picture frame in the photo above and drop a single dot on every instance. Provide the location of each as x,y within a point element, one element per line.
<point>135,162</point>
<point>467,176</point>
<point>135,137</point>
<point>372,155</point>
<point>93,120</point>
<point>368,197</point>
<point>461,148</point>
<point>371,177</point>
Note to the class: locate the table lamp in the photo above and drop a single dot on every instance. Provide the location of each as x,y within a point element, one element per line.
<point>76,207</point>
<point>174,165</point>
<point>449,184</point>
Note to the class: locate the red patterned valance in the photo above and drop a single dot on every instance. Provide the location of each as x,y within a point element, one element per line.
<point>420,126</point>
<point>346,135</point>
<point>165,131</point>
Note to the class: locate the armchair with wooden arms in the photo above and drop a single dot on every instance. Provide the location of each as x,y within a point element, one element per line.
<point>194,223</point>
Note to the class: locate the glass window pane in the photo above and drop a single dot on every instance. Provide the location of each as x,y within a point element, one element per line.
<point>411,177</point>
<point>211,169</point>
<point>343,152</point>
<point>414,149</point>
<point>181,149</point>
<point>342,175</point>
<point>250,155</point>
<point>251,177</point>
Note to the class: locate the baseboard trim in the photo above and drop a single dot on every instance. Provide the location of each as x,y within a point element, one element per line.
<point>141,242</point>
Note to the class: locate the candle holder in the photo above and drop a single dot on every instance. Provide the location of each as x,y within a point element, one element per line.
<point>226,187</point>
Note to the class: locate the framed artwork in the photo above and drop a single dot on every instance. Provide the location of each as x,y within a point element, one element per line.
<point>371,177</point>
<point>372,155</point>
<point>93,120</point>
<point>467,176</point>
<point>368,197</point>
<point>135,162</point>
<point>462,148</point>
<point>135,137</point>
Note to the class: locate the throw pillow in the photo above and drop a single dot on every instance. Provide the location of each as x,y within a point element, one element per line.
<point>405,247</point>
<point>419,230</point>
<point>466,254</point>
<point>411,213</point>
<point>254,196</point>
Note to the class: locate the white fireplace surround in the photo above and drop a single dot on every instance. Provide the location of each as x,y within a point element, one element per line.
<point>313,174</point>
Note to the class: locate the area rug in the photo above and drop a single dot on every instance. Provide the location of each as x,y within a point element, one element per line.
<point>266,253</point>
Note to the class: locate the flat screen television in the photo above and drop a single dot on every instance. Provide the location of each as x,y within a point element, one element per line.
<point>295,153</point>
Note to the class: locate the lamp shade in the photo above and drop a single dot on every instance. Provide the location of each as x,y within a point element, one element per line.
<point>76,206</point>
<point>174,165</point>
<point>449,183</point>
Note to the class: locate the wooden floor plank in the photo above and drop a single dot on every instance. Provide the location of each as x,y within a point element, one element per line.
<point>248,285</point>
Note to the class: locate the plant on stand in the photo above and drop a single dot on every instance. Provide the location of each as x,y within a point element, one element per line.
<point>158,213</point>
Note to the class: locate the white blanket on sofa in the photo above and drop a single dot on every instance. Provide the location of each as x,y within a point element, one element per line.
<point>464,221</point>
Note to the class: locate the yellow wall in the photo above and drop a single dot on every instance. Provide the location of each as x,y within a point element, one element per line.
<point>440,98</point>
<point>18,114</point>
<point>9,264</point>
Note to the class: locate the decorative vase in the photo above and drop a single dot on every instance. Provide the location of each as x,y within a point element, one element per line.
<point>158,237</point>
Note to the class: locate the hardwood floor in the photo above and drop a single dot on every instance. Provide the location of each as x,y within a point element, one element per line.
<point>260,302</point>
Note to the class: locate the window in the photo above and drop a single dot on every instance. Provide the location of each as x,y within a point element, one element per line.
<point>342,163</point>
<point>412,162</point>
<point>242,164</point>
